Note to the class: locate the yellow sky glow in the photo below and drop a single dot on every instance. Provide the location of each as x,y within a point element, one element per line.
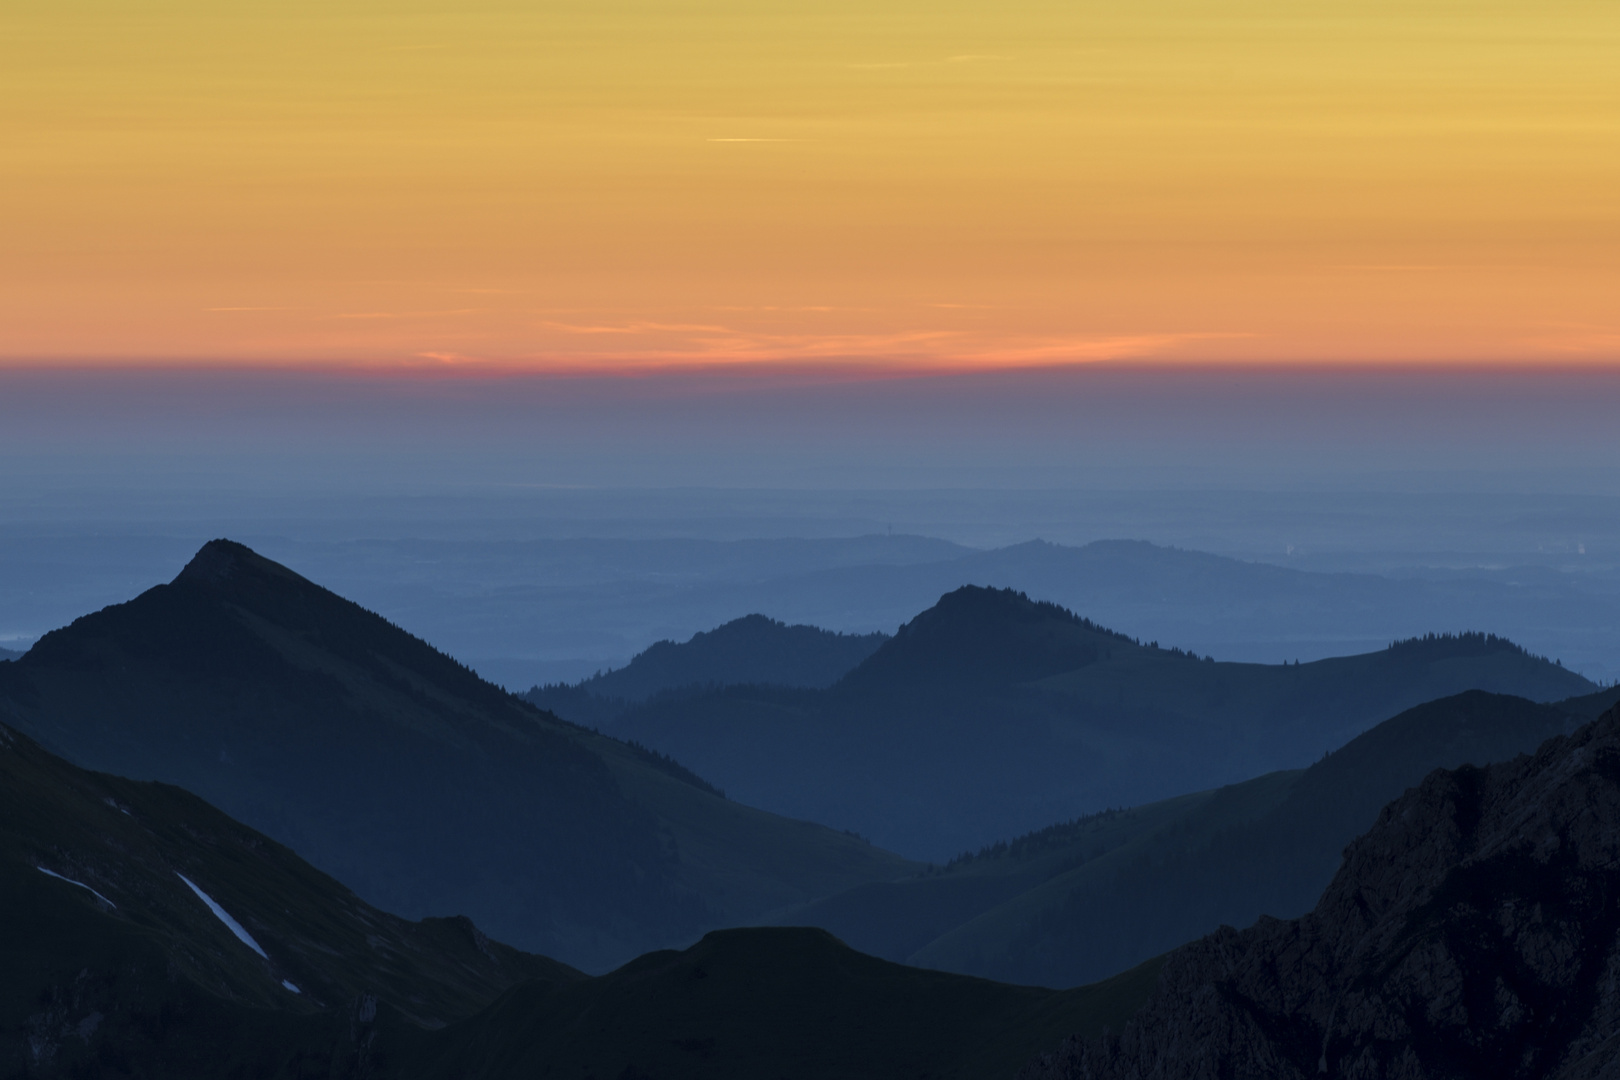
<point>574,183</point>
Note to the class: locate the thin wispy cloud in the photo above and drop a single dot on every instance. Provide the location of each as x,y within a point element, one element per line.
<point>451,357</point>
<point>408,314</point>
<point>633,328</point>
<point>1578,339</point>
<point>1086,348</point>
<point>1392,267</point>
<point>661,344</point>
<point>814,308</point>
<point>962,58</point>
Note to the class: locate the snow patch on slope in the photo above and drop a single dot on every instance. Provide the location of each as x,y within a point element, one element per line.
<point>82,885</point>
<point>230,924</point>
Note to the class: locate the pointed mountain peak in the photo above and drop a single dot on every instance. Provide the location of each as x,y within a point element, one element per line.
<point>979,601</point>
<point>221,561</point>
<point>981,609</point>
<point>981,634</point>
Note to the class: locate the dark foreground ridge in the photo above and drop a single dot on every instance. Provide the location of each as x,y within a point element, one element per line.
<point>1471,933</point>
<point>789,1004</point>
<point>146,934</point>
<point>112,964</point>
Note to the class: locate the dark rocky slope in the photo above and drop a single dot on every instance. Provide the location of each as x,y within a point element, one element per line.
<point>113,964</point>
<point>1473,932</point>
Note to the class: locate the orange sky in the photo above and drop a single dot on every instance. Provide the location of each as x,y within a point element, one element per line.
<point>583,184</point>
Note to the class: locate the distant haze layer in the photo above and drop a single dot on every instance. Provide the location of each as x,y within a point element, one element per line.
<point>500,516</point>
<point>1097,427</point>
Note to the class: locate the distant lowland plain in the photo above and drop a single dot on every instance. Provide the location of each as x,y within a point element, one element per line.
<point>556,591</point>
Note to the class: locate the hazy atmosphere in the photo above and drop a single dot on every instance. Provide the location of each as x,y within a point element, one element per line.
<point>709,540</point>
<point>540,528</point>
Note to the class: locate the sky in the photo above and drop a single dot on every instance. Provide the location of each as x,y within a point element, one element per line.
<point>574,186</point>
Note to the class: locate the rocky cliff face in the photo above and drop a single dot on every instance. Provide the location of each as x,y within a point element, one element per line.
<point>1473,932</point>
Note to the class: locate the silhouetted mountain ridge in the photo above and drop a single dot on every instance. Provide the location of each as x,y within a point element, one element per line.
<point>113,956</point>
<point>992,714</point>
<point>792,1003</point>
<point>1473,931</point>
<point>753,649</point>
<point>1081,900</point>
<point>147,934</point>
<point>989,636</point>
<point>394,767</point>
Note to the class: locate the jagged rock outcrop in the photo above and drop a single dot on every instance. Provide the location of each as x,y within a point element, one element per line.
<point>1474,931</point>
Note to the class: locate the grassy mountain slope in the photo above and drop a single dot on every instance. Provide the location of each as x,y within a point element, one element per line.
<point>1076,902</point>
<point>394,768</point>
<point>788,1003</point>
<point>110,956</point>
<point>990,715</point>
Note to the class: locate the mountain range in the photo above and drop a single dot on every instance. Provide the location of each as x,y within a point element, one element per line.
<point>990,715</point>
<point>527,611</point>
<point>148,934</point>
<point>1233,609</point>
<point>145,927</point>
<point>1077,902</point>
<point>1474,931</point>
<point>752,649</point>
<point>1474,927</point>
<point>397,770</point>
